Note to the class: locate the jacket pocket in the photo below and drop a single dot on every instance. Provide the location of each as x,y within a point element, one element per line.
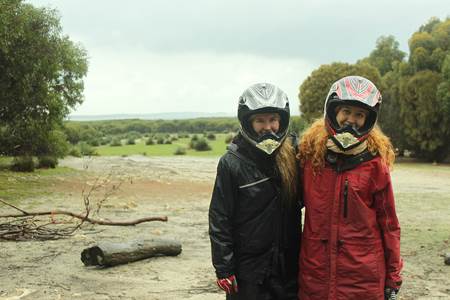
<point>314,266</point>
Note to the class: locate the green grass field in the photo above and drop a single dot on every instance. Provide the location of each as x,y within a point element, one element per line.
<point>16,186</point>
<point>218,147</point>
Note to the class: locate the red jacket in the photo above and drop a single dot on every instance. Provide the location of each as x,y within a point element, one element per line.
<point>351,240</point>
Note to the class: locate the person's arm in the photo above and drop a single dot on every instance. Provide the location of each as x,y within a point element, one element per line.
<point>390,232</point>
<point>220,222</point>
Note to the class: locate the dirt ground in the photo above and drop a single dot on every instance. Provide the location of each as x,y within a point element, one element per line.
<point>179,188</point>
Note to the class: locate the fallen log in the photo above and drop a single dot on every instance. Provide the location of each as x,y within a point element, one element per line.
<point>107,254</point>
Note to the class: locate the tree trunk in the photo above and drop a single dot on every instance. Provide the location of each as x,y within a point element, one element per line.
<point>111,254</point>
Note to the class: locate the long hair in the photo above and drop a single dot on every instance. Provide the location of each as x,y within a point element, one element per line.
<point>313,145</point>
<point>288,167</point>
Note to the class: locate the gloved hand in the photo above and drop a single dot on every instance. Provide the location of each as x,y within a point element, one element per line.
<point>390,293</point>
<point>229,284</point>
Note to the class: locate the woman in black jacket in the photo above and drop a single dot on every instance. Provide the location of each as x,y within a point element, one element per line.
<point>254,216</point>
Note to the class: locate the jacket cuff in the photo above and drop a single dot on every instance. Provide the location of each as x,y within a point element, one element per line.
<point>224,274</point>
<point>393,283</point>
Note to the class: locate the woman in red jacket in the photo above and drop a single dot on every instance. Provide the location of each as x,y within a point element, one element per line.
<point>351,240</point>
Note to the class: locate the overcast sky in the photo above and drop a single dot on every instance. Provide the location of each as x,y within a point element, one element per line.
<point>154,56</point>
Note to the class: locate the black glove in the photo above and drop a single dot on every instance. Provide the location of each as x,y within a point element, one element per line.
<point>390,293</point>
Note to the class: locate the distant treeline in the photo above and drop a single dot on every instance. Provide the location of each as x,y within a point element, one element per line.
<point>77,131</point>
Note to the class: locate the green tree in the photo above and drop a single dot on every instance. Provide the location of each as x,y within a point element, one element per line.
<point>390,109</point>
<point>385,54</point>
<point>314,89</point>
<point>422,114</point>
<point>424,96</point>
<point>41,78</point>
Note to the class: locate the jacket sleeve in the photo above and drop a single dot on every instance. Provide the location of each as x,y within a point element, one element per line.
<point>220,221</point>
<point>390,232</point>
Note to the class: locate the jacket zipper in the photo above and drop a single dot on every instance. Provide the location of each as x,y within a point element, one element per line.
<point>345,198</point>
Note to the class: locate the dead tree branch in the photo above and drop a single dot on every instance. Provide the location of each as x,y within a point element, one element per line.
<point>84,218</point>
<point>27,225</point>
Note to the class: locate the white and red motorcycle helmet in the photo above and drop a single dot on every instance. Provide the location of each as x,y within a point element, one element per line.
<point>353,91</point>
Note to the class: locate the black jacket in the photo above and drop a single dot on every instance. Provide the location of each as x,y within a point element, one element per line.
<point>253,232</point>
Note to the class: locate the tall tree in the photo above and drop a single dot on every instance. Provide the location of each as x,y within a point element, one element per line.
<point>424,98</point>
<point>385,54</point>
<point>41,79</point>
<point>422,116</point>
<point>388,59</point>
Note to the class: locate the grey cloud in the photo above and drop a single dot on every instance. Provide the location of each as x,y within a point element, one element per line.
<point>320,31</point>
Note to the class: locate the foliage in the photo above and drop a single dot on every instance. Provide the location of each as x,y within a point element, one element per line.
<point>218,148</point>
<point>41,78</point>
<point>75,151</point>
<point>210,136</point>
<point>201,145</point>
<point>385,54</point>
<point>45,162</point>
<point>388,118</point>
<point>425,95</point>
<point>298,124</point>
<point>86,149</point>
<point>421,113</point>
<point>23,164</point>
<point>115,143</point>
<point>180,151</point>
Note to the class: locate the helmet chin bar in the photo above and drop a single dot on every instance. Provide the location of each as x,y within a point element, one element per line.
<point>346,139</point>
<point>268,145</point>
<point>268,142</point>
<point>346,136</point>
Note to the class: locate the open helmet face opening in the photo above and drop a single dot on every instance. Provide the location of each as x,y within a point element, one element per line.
<point>352,91</point>
<point>263,98</point>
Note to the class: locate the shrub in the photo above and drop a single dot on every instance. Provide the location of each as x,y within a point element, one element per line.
<point>131,141</point>
<point>115,143</point>
<point>194,138</point>
<point>86,149</point>
<point>160,141</point>
<point>201,145</point>
<point>150,141</point>
<point>180,151</point>
<point>23,164</point>
<point>211,136</point>
<point>47,162</point>
<point>105,140</point>
<point>94,143</point>
<point>74,151</point>
<point>168,141</point>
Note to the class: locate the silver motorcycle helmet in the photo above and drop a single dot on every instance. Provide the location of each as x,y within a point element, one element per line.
<point>263,98</point>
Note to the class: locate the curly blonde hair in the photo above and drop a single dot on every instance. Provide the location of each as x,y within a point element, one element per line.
<point>313,145</point>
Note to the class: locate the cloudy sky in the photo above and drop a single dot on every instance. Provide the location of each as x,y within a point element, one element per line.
<point>155,56</point>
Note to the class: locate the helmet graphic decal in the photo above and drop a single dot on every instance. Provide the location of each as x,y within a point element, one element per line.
<point>356,88</point>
